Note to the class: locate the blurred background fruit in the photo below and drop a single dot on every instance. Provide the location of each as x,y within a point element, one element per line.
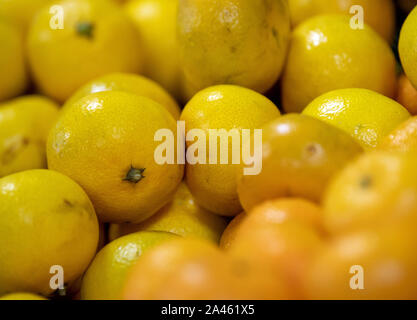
<point>46,219</point>
<point>106,276</point>
<point>97,38</point>
<point>327,54</point>
<point>379,188</point>
<point>21,12</point>
<point>109,151</point>
<point>182,217</point>
<point>385,255</point>
<point>13,79</point>
<point>156,23</point>
<point>232,42</point>
<point>130,83</point>
<point>378,14</point>
<point>223,107</point>
<point>407,47</point>
<point>24,126</point>
<point>407,94</point>
<point>366,115</point>
<point>304,153</point>
<point>22,296</point>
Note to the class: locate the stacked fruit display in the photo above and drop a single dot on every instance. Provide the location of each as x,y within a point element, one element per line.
<point>200,149</point>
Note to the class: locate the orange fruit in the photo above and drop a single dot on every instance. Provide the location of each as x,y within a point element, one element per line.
<point>300,155</point>
<point>287,249</point>
<point>407,94</point>
<point>229,234</point>
<point>403,138</point>
<point>387,258</point>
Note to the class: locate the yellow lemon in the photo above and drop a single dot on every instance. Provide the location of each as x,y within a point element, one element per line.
<point>182,217</point>
<point>130,83</point>
<point>231,109</point>
<point>90,39</point>
<point>21,12</point>
<point>46,220</point>
<point>403,138</point>
<point>241,42</point>
<point>300,155</point>
<point>156,22</point>
<point>378,14</point>
<point>408,46</point>
<point>366,115</point>
<point>378,188</point>
<point>106,142</point>
<point>106,276</point>
<point>327,54</point>
<point>24,126</point>
<point>22,296</point>
<point>13,77</point>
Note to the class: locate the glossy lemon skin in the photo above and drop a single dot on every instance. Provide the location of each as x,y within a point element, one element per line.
<point>407,46</point>
<point>156,22</point>
<point>386,256</point>
<point>24,126</point>
<point>378,14</point>
<point>222,107</point>
<point>106,276</point>
<point>366,115</point>
<point>378,188</point>
<point>62,60</point>
<point>403,138</point>
<point>96,142</point>
<point>182,217</point>
<point>22,296</point>
<point>46,219</point>
<point>131,83</point>
<point>232,42</point>
<point>13,77</point>
<point>304,153</point>
<point>327,54</point>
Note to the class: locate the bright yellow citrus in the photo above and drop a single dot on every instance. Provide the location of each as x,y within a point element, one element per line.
<point>407,46</point>
<point>106,142</point>
<point>366,115</point>
<point>46,220</point>
<point>22,296</point>
<point>24,126</point>
<point>327,54</point>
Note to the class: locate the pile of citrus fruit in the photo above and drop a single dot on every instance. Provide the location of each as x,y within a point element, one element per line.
<point>110,187</point>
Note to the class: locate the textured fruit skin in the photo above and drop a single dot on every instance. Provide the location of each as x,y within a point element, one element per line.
<point>22,296</point>
<point>229,234</point>
<point>157,19</point>
<point>130,83</point>
<point>106,276</point>
<point>46,219</point>
<point>57,56</point>
<point>222,107</point>
<point>386,255</point>
<point>300,155</point>
<point>366,115</point>
<point>96,142</point>
<point>13,77</point>
<point>182,217</point>
<point>327,54</point>
<point>403,138</point>
<point>378,188</point>
<point>378,14</point>
<point>407,94</point>
<point>24,126</point>
<point>256,35</point>
<point>407,47</point>
<point>21,12</point>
